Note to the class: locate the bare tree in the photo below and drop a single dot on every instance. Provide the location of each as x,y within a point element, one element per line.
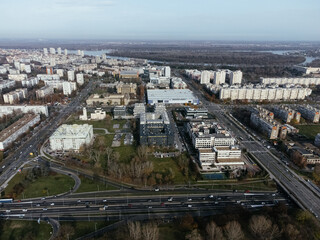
<point>142,153</point>
<point>194,235</point>
<point>134,229</point>
<point>150,231</point>
<point>292,233</point>
<point>262,228</point>
<point>214,232</point>
<point>108,152</point>
<point>233,231</point>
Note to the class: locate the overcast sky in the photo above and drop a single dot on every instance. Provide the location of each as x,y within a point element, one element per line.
<point>161,19</point>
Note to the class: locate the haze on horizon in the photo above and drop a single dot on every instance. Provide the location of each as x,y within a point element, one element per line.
<point>232,20</point>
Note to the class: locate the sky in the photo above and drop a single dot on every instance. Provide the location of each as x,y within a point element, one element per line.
<point>233,20</point>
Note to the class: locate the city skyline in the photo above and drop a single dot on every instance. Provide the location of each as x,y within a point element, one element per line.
<point>245,20</point>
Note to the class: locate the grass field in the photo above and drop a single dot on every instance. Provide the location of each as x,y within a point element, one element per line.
<point>161,165</point>
<point>43,186</point>
<point>25,230</point>
<point>88,185</point>
<point>82,228</point>
<point>310,131</point>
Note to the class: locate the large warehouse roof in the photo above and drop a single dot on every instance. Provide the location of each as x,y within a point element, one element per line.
<point>171,96</point>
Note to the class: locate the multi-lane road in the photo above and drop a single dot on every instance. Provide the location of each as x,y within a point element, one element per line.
<point>298,189</point>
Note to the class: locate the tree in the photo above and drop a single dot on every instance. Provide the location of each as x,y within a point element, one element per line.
<point>108,152</point>
<point>150,231</point>
<point>214,232</point>
<point>194,235</point>
<point>142,153</point>
<point>262,228</point>
<point>292,233</point>
<point>233,231</point>
<point>134,229</point>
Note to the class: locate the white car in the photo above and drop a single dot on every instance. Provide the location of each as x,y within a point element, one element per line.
<point>24,210</point>
<point>52,204</point>
<point>8,211</point>
<point>104,200</point>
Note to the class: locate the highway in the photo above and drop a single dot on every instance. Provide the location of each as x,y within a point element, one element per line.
<point>64,208</point>
<point>298,189</point>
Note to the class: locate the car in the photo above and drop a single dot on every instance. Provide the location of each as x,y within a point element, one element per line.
<point>189,199</point>
<point>170,199</point>
<point>210,196</point>
<point>3,166</point>
<point>79,201</point>
<point>156,189</point>
<point>52,204</point>
<point>38,205</point>
<point>150,207</point>
<point>24,210</point>
<point>7,211</point>
<point>189,205</point>
<point>44,209</point>
<point>216,202</point>
<point>104,200</point>
<point>43,198</point>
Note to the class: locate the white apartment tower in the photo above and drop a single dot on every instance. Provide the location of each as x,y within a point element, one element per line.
<point>70,75</point>
<point>235,77</point>
<point>205,77</point>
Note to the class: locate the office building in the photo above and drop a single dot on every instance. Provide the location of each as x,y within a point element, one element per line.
<point>155,129</point>
<point>119,112</point>
<point>197,113</point>
<point>108,99</point>
<point>71,137</point>
<point>138,109</point>
<point>171,96</point>
<point>123,88</point>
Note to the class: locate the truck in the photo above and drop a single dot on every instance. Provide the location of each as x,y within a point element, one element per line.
<point>6,200</point>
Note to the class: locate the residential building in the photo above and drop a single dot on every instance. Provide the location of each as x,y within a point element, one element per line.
<point>15,130</point>
<point>44,91</point>
<point>71,137</point>
<point>317,140</point>
<point>6,84</point>
<point>36,109</point>
<point>309,112</point>
<point>71,76</point>
<point>219,77</point>
<point>68,87</point>
<point>205,77</point>
<point>286,114</point>
<point>15,96</point>
<point>80,79</point>
<point>235,77</point>
<point>293,80</point>
<point>52,51</point>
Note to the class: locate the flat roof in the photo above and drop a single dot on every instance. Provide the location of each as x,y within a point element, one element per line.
<point>170,94</point>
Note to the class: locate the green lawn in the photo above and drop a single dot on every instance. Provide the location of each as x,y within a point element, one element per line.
<point>43,186</point>
<point>126,152</point>
<point>81,228</point>
<point>310,131</point>
<point>88,185</point>
<point>25,230</point>
<point>169,232</point>
<point>162,164</point>
<point>98,124</point>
